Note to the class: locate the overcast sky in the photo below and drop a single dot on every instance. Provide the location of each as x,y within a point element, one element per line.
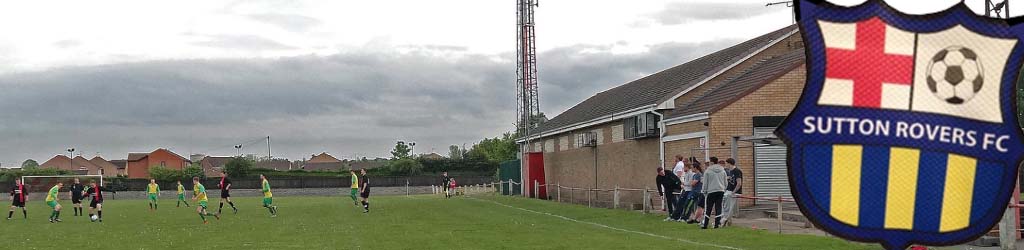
<point>346,77</point>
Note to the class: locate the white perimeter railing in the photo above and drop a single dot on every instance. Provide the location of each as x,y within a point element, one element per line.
<point>593,198</point>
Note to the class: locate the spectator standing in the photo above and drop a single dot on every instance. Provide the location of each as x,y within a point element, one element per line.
<point>680,168</point>
<point>714,188</point>
<point>683,201</point>
<point>733,189</point>
<point>668,184</point>
<point>696,202</point>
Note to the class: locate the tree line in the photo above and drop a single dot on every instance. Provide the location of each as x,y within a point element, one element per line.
<point>482,158</point>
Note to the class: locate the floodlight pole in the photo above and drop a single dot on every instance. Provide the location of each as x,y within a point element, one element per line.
<point>71,157</point>
<point>788,4</point>
<point>997,8</point>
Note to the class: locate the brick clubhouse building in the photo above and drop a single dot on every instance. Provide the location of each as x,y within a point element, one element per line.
<point>724,104</point>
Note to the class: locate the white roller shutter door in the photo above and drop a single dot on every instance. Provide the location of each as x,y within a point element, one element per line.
<point>770,179</point>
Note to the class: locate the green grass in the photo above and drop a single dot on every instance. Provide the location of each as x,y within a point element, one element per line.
<point>395,222</point>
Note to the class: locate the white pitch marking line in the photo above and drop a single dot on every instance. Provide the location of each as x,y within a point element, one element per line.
<point>610,227</point>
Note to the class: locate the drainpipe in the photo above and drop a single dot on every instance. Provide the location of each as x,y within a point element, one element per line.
<point>661,136</point>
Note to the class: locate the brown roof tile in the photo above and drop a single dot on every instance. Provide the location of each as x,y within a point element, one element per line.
<point>58,162</point>
<point>323,157</point>
<point>137,156</point>
<point>121,164</point>
<point>730,90</point>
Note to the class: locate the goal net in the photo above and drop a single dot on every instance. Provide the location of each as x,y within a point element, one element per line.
<point>42,184</point>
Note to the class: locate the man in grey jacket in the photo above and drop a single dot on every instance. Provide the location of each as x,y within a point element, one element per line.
<point>714,187</point>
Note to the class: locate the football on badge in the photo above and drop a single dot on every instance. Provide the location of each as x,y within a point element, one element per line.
<point>955,75</point>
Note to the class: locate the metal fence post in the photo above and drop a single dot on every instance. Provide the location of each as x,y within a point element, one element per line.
<point>536,189</point>
<point>501,188</point>
<point>558,193</point>
<point>779,213</point>
<point>647,199</point>
<point>615,198</point>
<point>511,190</point>
<point>572,195</point>
<point>1008,230</point>
<point>407,186</point>
<point>590,203</point>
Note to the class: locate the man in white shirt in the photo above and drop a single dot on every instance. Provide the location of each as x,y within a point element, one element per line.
<point>678,169</point>
<point>683,172</point>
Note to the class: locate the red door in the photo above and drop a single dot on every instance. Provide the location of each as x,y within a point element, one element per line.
<point>535,167</point>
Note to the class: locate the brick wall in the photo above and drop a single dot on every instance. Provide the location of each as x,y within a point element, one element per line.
<point>685,128</point>
<point>684,148</point>
<point>774,99</point>
<point>622,163</point>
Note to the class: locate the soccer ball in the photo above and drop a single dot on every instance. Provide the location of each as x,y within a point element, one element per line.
<point>955,75</point>
<point>93,218</point>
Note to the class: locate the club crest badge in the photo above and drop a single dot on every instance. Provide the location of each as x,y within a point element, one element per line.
<point>906,131</point>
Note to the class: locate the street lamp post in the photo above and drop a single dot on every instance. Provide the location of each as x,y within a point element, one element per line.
<point>413,144</point>
<point>238,150</point>
<point>71,155</point>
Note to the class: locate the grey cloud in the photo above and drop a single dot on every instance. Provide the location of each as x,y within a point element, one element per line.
<point>243,42</point>
<point>64,44</point>
<point>681,12</point>
<point>568,75</point>
<point>291,22</point>
<point>436,47</point>
<point>351,103</point>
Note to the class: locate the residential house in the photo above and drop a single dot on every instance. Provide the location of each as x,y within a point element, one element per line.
<point>323,162</point>
<point>138,164</point>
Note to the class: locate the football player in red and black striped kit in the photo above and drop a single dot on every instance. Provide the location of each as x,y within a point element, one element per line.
<point>225,192</point>
<point>96,203</point>
<point>19,195</point>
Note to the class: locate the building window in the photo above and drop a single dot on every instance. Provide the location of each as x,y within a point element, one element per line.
<point>641,126</point>
<point>587,139</point>
<point>163,164</point>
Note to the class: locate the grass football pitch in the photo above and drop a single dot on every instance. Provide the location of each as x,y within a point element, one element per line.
<point>395,222</point>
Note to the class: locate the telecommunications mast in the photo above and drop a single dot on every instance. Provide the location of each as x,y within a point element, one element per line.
<point>528,105</point>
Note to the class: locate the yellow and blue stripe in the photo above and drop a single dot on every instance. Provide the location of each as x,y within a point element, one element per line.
<point>896,188</point>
